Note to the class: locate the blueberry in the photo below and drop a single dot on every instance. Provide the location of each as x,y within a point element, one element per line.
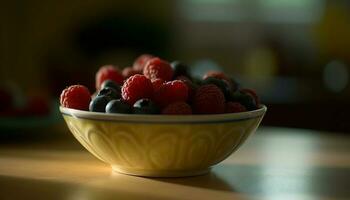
<point>110,92</point>
<point>118,106</point>
<point>180,69</point>
<point>197,81</point>
<point>110,84</point>
<point>245,99</point>
<point>145,106</point>
<point>235,85</point>
<point>224,87</point>
<point>98,104</point>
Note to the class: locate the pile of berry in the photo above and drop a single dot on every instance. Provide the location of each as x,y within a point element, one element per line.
<point>154,86</point>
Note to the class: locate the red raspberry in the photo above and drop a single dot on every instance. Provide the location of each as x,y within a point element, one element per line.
<point>253,94</point>
<point>136,87</point>
<point>171,92</point>
<point>190,85</point>
<point>209,99</point>
<point>157,68</point>
<point>157,83</point>
<point>76,96</point>
<point>129,71</point>
<point>234,107</point>
<point>216,74</point>
<point>140,62</point>
<point>185,79</point>
<point>108,72</point>
<point>220,75</point>
<point>177,108</point>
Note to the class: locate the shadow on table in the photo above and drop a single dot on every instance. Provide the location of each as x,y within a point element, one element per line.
<point>208,181</point>
<point>257,180</point>
<point>13,188</point>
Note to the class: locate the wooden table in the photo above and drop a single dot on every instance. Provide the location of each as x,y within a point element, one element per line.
<point>276,163</point>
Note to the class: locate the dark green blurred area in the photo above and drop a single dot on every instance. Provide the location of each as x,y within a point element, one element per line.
<point>295,53</point>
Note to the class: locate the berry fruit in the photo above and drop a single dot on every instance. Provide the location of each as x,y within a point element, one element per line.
<point>108,72</point>
<point>76,96</point>
<point>136,87</point>
<point>110,92</point>
<point>111,84</point>
<point>245,99</point>
<point>191,86</point>
<point>98,104</point>
<point>222,84</point>
<point>117,106</point>
<point>234,107</point>
<point>157,68</point>
<point>171,92</point>
<point>177,108</point>
<point>129,71</point>
<point>179,69</point>
<point>253,94</point>
<point>140,62</point>
<point>220,75</point>
<point>157,83</point>
<point>145,106</point>
<point>209,99</point>
<point>216,74</point>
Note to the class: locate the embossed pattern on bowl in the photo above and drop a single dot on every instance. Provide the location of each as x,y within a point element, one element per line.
<point>161,145</point>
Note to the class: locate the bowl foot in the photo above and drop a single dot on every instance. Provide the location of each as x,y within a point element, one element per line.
<point>160,173</point>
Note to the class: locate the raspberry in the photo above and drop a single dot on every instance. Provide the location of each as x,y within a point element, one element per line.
<point>140,62</point>
<point>76,96</point>
<point>171,92</point>
<point>177,108</point>
<point>108,72</point>
<point>185,79</point>
<point>209,100</point>
<point>157,68</point>
<point>222,84</point>
<point>136,87</point>
<point>234,107</point>
<point>253,94</point>
<point>216,74</point>
<point>222,76</point>
<point>129,71</point>
<point>157,83</point>
<point>191,86</point>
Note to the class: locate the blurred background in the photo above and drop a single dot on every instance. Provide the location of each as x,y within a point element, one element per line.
<point>295,53</point>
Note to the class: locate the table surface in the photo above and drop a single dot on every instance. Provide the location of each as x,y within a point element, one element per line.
<point>275,163</point>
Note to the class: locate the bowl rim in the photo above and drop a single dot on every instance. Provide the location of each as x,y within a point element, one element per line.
<point>137,118</point>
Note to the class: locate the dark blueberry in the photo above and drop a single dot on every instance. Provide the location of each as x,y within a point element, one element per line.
<point>111,84</point>
<point>98,104</point>
<point>118,106</point>
<point>248,102</point>
<point>244,99</point>
<point>234,85</point>
<point>197,81</point>
<point>145,106</point>
<point>180,69</point>
<point>110,92</point>
<point>224,87</point>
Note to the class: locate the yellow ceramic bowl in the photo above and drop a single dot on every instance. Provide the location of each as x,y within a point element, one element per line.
<point>161,145</point>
